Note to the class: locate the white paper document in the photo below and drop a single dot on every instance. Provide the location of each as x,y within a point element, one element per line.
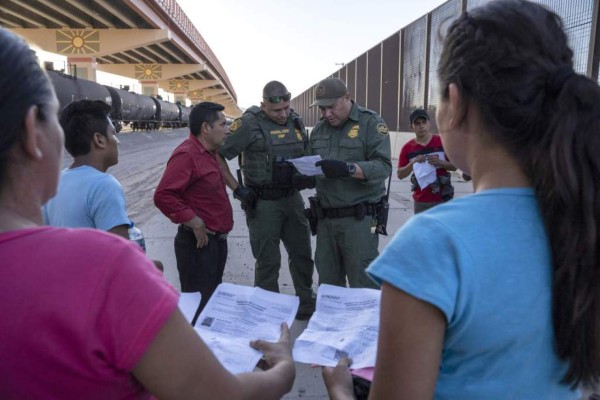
<point>345,323</point>
<point>425,172</point>
<point>237,314</point>
<point>188,304</point>
<point>306,165</point>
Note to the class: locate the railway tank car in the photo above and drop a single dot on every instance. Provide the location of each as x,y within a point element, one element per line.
<point>127,108</point>
<point>132,108</point>
<point>69,88</point>
<point>184,114</point>
<point>167,114</point>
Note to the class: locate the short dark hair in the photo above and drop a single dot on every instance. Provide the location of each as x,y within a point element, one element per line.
<point>80,120</point>
<point>274,88</point>
<point>204,112</point>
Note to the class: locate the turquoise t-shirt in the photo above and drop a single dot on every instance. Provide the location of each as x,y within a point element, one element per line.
<point>484,261</point>
<point>87,198</point>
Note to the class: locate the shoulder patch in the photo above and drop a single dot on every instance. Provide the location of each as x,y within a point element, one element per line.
<point>382,128</point>
<point>235,125</point>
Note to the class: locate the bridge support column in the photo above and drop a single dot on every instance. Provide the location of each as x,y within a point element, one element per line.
<point>83,67</point>
<point>149,88</point>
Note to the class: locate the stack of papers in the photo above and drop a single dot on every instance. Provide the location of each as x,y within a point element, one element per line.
<point>237,314</point>
<point>345,324</point>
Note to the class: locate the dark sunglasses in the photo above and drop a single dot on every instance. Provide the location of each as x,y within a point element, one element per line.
<point>278,99</point>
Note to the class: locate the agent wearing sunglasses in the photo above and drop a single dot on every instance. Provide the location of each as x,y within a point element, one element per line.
<point>354,145</point>
<point>264,138</point>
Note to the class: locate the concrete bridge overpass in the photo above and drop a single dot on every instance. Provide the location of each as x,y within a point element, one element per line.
<point>152,41</point>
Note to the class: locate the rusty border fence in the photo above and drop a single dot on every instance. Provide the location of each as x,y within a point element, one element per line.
<point>399,74</point>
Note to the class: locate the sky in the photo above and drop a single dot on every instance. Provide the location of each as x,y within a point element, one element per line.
<point>295,42</point>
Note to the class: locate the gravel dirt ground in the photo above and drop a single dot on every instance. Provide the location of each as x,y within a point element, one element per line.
<point>142,159</point>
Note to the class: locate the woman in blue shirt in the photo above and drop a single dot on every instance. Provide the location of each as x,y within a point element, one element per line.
<point>496,295</point>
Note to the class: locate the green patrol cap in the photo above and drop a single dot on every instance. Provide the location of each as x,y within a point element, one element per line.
<point>328,91</point>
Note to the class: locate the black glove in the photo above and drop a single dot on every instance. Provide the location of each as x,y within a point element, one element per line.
<point>333,168</point>
<point>246,196</point>
<point>300,182</point>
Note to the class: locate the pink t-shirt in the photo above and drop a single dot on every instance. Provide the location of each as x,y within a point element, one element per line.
<point>79,309</point>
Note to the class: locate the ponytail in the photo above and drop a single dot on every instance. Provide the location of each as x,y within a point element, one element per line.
<point>567,185</point>
<point>512,59</point>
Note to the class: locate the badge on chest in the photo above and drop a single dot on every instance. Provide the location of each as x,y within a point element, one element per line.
<point>279,133</point>
<point>353,132</point>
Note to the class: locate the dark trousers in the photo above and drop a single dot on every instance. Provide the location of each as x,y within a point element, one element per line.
<point>420,206</point>
<point>200,270</point>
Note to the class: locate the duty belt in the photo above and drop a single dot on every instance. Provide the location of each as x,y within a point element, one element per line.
<point>358,211</point>
<point>216,235</point>
<point>272,193</point>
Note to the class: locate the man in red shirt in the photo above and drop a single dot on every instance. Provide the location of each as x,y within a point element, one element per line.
<point>192,193</point>
<point>424,157</point>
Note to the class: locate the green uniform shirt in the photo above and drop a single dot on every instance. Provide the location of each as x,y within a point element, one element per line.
<point>363,140</point>
<point>261,142</point>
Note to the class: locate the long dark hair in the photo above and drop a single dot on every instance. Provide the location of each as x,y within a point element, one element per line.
<point>23,83</point>
<point>512,60</point>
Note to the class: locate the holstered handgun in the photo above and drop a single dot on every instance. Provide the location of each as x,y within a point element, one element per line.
<point>383,209</point>
<point>248,208</point>
<point>313,213</point>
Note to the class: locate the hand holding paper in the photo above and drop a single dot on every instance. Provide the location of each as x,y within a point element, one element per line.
<point>306,165</point>
<point>276,353</point>
<point>425,171</point>
<point>345,324</point>
<point>237,314</point>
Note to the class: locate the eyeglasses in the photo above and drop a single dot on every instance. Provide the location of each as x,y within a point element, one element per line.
<point>278,99</point>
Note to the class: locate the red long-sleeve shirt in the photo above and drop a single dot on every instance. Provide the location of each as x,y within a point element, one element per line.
<point>193,185</point>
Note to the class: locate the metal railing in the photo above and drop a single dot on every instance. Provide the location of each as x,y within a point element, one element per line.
<point>174,11</point>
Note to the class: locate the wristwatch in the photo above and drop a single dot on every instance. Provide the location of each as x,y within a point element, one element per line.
<point>351,169</point>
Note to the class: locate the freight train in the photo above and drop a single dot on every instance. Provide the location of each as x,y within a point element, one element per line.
<point>127,108</point>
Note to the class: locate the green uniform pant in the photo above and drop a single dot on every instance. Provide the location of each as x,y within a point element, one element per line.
<point>275,220</point>
<point>345,248</point>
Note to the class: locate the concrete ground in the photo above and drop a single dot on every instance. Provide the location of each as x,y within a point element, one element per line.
<point>142,159</point>
<point>159,231</point>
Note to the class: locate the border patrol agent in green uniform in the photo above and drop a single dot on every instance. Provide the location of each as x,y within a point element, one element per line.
<point>354,145</point>
<point>265,138</point>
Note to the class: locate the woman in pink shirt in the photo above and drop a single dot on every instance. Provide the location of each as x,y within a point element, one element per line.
<point>85,314</point>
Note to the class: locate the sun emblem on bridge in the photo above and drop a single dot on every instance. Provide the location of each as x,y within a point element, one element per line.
<point>78,41</point>
<point>148,71</point>
<point>195,95</point>
<point>179,85</point>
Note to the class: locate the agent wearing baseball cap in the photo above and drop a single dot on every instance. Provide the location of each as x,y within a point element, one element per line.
<point>354,145</point>
<point>425,148</point>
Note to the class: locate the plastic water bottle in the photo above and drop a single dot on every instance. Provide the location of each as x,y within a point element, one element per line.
<point>136,235</point>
